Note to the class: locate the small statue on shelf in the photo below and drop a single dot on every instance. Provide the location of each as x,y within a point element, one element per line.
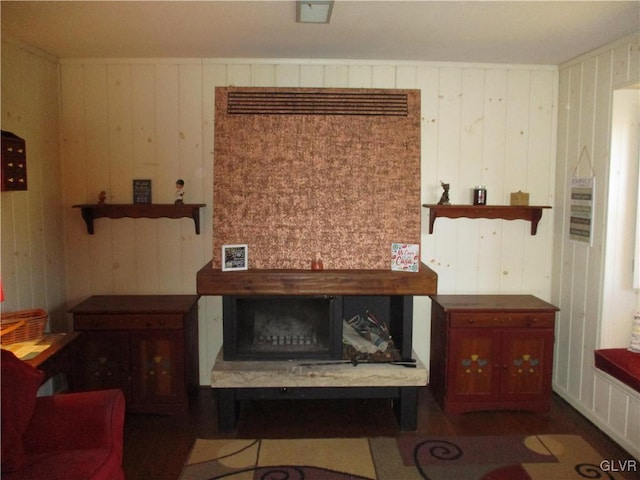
<point>444,199</point>
<point>102,197</point>
<point>179,191</point>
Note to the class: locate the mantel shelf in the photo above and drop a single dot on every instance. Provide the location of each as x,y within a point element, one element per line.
<point>532,214</point>
<point>212,281</point>
<point>141,210</point>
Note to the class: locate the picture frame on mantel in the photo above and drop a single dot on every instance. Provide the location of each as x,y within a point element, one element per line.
<point>235,257</point>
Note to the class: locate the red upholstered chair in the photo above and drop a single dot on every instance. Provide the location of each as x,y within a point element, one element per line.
<point>67,436</point>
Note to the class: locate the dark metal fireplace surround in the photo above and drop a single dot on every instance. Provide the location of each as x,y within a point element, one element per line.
<point>281,327</point>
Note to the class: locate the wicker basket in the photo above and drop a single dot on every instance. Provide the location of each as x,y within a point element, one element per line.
<point>22,326</point>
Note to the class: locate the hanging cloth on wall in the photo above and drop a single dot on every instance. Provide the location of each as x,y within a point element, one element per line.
<point>582,192</point>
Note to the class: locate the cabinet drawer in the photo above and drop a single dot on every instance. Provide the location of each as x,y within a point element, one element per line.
<point>503,319</point>
<point>128,322</point>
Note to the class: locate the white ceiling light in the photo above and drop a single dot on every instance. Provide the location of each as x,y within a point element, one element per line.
<point>314,11</point>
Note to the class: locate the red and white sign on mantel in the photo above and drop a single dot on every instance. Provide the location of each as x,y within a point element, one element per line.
<point>405,257</point>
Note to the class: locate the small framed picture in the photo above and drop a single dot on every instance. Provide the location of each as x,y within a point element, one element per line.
<point>141,191</point>
<point>235,257</point>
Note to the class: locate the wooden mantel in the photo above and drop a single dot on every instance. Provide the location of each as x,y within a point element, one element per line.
<point>212,281</point>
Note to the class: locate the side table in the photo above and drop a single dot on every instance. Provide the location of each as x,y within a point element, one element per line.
<point>147,345</point>
<point>491,352</point>
<point>53,354</point>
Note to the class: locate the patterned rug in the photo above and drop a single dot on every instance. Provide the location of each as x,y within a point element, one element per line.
<point>538,457</point>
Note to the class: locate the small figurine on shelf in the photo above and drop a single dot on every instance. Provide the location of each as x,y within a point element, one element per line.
<point>444,199</point>
<point>179,191</point>
<point>316,264</point>
<point>102,197</point>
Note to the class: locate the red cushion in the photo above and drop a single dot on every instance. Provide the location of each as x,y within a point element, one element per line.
<point>20,383</point>
<point>621,364</point>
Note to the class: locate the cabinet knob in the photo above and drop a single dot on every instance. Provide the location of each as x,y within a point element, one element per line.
<point>470,321</point>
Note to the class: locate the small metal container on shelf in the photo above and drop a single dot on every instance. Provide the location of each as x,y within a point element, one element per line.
<point>480,195</point>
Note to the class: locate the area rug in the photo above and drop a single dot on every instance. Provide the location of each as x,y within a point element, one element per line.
<point>537,457</point>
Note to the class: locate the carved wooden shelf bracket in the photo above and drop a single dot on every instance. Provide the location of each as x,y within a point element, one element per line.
<point>141,210</point>
<point>532,214</point>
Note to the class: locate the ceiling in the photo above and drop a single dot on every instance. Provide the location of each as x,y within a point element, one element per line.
<point>529,32</point>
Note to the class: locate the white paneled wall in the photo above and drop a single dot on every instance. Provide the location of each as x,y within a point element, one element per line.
<point>125,119</point>
<point>584,119</point>
<point>32,252</point>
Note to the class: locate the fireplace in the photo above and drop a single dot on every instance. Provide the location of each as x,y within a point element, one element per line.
<point>337,293</point>
<point>282,327</point>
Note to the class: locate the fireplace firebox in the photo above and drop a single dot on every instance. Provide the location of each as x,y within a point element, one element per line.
<point>282,327</point>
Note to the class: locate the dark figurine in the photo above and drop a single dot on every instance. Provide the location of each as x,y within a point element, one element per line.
<point>444,199</point>
<point>102,197</point>
<point>179,191</point>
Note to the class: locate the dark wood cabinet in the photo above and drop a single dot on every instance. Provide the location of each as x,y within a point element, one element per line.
<point>14,163</point>
<point>147,345</point>
<point>491,352</point>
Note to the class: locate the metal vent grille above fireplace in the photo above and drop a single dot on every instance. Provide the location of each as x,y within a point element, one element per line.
<point>317,103</point>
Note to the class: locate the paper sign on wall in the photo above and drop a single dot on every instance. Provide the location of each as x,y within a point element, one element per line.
<point>581,214</point>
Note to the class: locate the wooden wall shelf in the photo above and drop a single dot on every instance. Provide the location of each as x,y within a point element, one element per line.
<point>532,214</point>
<point>141,210</point>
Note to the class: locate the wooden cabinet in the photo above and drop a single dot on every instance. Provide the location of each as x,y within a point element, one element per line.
<point>491,352</point>
<point>147,345</point>
<point>14,163</point>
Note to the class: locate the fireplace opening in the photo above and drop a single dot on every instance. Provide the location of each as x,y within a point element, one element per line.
<point>282,327</point>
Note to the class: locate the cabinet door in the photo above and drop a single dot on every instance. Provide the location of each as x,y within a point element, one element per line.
<point>103,362</point>
<point>157,361</point>
<point>527,356</point>
<point>473,364</point>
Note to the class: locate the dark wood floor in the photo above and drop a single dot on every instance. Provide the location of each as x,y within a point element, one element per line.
<point>156,447</point>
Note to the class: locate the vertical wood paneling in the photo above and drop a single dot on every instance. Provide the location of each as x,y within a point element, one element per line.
<point>311,75</point>
<point>465,140</point>
<point>263,75</point>
<point>360,76</point>
<point>384,76</point>
<point>493,160</point>
<point>32,248</point>
<point>585,93</point>
<point>336,76</point>
<point>190,170</point>
<point>288,75</point>
<point>121,166</point>
<point>144,166</point>
<point>74,188</point>
<point>471,129</point>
